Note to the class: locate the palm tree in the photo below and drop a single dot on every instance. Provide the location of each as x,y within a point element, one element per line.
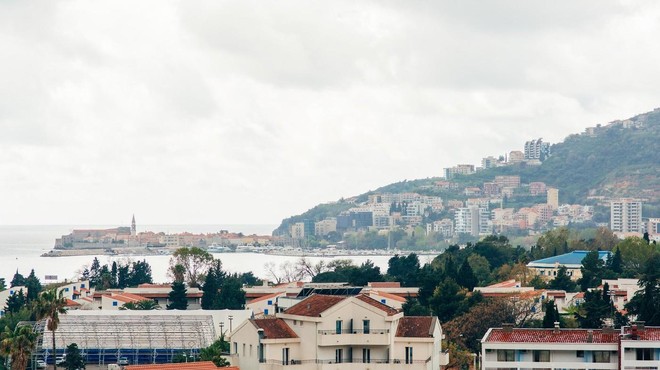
<point>18,345</point>
<point>49,306</point>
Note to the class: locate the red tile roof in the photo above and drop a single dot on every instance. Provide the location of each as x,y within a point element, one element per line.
<point>648,333</point>
<point>264,297</point>
<point>314,305</point>
<point>274,328</point>
<point>415,327</point>
<point>70,303</point>
<point>203,365</point>
<point>505,284</point>
<point>381,306</point>
<point>549,336</point>
<point>388,295</point>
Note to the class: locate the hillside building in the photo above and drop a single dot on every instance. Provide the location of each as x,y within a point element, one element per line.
<point>537,149</point>
<point>552,195</point>
<point>547,267</point>
<point>626,216</point>
<point>461,169</point>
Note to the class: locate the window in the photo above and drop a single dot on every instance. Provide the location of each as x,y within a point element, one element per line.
<point>579,354</point>
<point>601,356</point>
<point>285,356</point>
<point>266,312</point>
<point>250,350</point>
<point>644,354</point>
<point>541,356</point>
<point>409,355</point>
<point>366,355</point>
<point>338,327</point>
<point>243,349</point>
<point>236,347</point>
<point>82,286</point>
<point>114,303</point>
<point>365,326</point>
<point>505,355</point>
<point>66,289</point>
<point>270,303</point>
<point>383,301</point>
<point>338,355</point>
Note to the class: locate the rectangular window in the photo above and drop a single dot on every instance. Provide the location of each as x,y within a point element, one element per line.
<point>409,355</point>
<point>644,354</point>
<point>250,350</point>
<point>383,301</point>
<point>505,355</point>
<point>243,349</point>
<point>339,355</point>
<point>270,303</point>
<point>338,327</point>
<point>365,326</point>
<point>236,347</point>
<point>541,356</point>
<point>579,354</point>
<point>602,356</point>
<point>366,355</point>
<point>114,303</point>
<point>285,356</point>
<point>266,312</point>
<point>82,286</point>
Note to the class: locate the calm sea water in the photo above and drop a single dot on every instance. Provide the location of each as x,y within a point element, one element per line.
<point>21,247</point>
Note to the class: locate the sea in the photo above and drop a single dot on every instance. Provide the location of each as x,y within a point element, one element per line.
<point>21,248</point>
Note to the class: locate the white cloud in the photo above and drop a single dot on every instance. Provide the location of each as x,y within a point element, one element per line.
<point>248,112</point>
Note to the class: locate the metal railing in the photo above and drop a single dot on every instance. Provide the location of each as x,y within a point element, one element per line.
<point>343,361</point>
<point>354,331</point>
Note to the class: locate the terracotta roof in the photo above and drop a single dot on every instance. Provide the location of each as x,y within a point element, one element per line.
<point>147,285</point>
<point>384,284</point>
<point>415,327</point>
<point>267,296</point>
<point>549,336</point>
<point>126,297</point>
<point>274,328</point>
<point>388,295</point>
<point>70,303</point>
<point>314,305</point>
<point>648,333</point>
<point>381,306</point>
<point>203,365</point>
<point>505,284</point>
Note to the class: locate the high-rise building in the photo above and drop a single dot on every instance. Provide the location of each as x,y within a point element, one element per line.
<point>626,216</point>
<point>460,169</point>
<point>537,149</point>
<point>472,220</point>
<point>553,197</point>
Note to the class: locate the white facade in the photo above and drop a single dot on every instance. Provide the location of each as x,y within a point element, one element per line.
<point>349,333</point>
<point>5,294</point>
<point>626,216</point>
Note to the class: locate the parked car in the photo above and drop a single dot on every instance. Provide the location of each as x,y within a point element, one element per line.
<point>41,364</point>
<point>60,360</point>
<point>122,361</point>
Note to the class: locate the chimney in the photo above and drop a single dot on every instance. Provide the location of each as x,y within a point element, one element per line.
<point>640,326</point>
<point>556,329</point>
<point>507,328</point>
<point>633,334</point>
<point>590,336</point>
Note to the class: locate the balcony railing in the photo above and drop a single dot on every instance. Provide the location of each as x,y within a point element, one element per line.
<point>354,331</point>
<point>343,361</point>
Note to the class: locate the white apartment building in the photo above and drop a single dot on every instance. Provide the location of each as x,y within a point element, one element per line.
<point>338,332</point>
<point>324,227</point>
<point>444,227</point>
<point>626,216</point>
<point>472,220</point>
<point>630,348</point>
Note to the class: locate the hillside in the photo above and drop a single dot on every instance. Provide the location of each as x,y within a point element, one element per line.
<point>616,160</point>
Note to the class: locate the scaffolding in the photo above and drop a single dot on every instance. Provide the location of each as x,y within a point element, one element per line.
<point>140,339</point>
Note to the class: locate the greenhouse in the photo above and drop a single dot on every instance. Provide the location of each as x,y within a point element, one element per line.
<point>136,337</point>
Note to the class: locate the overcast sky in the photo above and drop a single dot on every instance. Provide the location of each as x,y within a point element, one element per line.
<point>246,112</point>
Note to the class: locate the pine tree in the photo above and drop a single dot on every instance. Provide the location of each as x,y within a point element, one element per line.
<point>562,281</point>
<point>33,286</point>
<point>177,297</point>
<point>15,302</point>
<point>2,284</point>
<point>615,264</point>
<point>210,291</point>
<point>74,360</point>
<point>113,274</point>
<point>231,294</point>
<point>592,271</point>
<point>95,272</point>
<point>17,280</point>
<point>466,276</point>
<point>551,314</point>
<point>646,303</point>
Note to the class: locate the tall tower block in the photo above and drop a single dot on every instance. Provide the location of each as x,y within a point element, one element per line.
<point>553,198</point>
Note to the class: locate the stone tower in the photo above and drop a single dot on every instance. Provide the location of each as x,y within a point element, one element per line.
<point>133,228</point>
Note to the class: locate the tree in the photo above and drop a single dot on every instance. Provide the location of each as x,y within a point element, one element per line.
<point>646,302</point>
<point>596,308</point>
<point>143,305</point>
<point>140,273</point>
<point>195,262</point>
<point>33,286</point>
<point>551,314</point>
<point>214,352</point>
<point>592,271</point>
<point>18,345</point>
<point>50,306</point>
<point>562,281</point>
<point>74,360</point>
<point>614,263</point>
<point>635,252</point>
<point>404,269</point>
<point>468,328</point>
<point>177,297</point>
<point>95,272</point>
<point>231,294</point>
<point>17,280</point>
<point>15,302</point>
<point>211,288</point>
<point>466,276</point>
<point>114,273</point>
<point>123,276</point>
<point>412,307</point>
<point>2,284</point>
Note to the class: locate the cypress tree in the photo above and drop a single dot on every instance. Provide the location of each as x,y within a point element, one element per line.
<point>551,314</point>
<point>177,297</point>
<point>466,276</point>
<point>34,287</point>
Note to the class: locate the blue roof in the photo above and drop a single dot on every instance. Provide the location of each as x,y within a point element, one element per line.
<point>572,258</point>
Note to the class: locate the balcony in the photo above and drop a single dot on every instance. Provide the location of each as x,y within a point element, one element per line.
<point>373,337</point>
<point>357,364</point>
<point>549,365</point>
